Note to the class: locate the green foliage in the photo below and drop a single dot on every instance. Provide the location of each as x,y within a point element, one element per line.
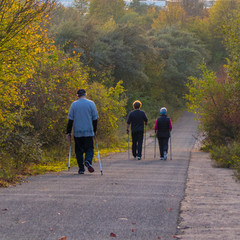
<point>227,156</point>
<point>81,5</point>
<point>182,52</point>
<point>216,98</point>
<point>210,100</point>
<point>111,109</point>
<point>202,27</point>
<point>119,55</point>
<point>103,10</point>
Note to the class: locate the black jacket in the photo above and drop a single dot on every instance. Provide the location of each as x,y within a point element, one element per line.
<point>137,118</point>
<point>163,127</point>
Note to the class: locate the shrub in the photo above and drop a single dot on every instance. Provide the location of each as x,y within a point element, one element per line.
<point>227,156</point>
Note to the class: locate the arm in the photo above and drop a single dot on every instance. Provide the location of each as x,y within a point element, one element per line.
<point>170,124</point>
<point>156,127</point>
<point>128,125</point>
<point>145,119</point>
<point>69,129</point>
<point>94,123</point>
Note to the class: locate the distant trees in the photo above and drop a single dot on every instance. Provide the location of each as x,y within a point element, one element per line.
<point>130,45</point>
<point>105,9</point>
<point>193,7</point>
<point>173,14</point>
<point>81,5</point>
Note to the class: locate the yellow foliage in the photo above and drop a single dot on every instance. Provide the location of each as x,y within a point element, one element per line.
<point>21,41</point>
<point>173,14</point>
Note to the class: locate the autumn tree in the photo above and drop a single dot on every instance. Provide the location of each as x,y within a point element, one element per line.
<point>173,14</point>
<point>105,9</point>
<point>22,37</point>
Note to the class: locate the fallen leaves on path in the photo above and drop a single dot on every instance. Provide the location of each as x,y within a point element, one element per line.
<point>113,235</point>
<point>63,238</point>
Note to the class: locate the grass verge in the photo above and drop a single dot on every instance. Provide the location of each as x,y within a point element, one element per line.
<point>53,160</point>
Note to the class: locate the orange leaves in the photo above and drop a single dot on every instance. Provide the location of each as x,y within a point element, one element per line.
<point>63,238</point>
<point>113,235</point>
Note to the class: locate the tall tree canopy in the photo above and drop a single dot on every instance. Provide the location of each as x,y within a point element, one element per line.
<point>105,9</point>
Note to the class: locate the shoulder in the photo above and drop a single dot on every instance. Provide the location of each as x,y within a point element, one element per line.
<point>90,102</point>
<point>74,103</point>
<point>132,112</point>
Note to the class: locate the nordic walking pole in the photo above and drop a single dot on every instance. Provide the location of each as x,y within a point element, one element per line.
<point>128,147</point>
<point>144,141</point>
<point>69,156</point>
<point>170,147</point>
<point>155,140</point>
<point>100,165</point>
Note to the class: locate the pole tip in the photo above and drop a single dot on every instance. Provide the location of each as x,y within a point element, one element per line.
<point>101,173</point>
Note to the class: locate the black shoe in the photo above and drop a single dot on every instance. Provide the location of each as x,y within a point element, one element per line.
<point>80,172</point>
<point>89,167</point>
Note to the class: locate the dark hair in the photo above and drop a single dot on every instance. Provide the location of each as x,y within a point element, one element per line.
<point>81,92</point>
<point>137,105</point>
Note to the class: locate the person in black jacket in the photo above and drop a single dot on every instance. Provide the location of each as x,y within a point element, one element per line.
<point>137,118</point>
<point>163,126</point>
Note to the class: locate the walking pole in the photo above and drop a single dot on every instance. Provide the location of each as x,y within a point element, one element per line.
<point>155,140</point>
<point>170,147</point>
<point>69,157</point>
<point>100,165</point>
<point>128,147</point>
<point>144,141</point>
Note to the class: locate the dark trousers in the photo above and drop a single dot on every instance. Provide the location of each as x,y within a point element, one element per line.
<point>137,141</point>
<point>83,145</point>
<point>163,145</point>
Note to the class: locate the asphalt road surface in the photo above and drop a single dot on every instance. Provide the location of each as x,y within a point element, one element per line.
<point>132,200</point>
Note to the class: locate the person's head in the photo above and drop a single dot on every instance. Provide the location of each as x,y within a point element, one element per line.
<point>137,104</point>
<point>163,111</point>
<point>81,93</point>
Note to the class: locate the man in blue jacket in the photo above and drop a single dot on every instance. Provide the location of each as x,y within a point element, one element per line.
<point>83,117</point>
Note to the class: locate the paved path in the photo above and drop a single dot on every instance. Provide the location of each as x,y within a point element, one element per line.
<point>211,208</point>
<point>132,200</point>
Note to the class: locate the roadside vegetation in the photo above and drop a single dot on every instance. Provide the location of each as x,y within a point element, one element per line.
<point>215,95</point>
<point>118,54</point>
